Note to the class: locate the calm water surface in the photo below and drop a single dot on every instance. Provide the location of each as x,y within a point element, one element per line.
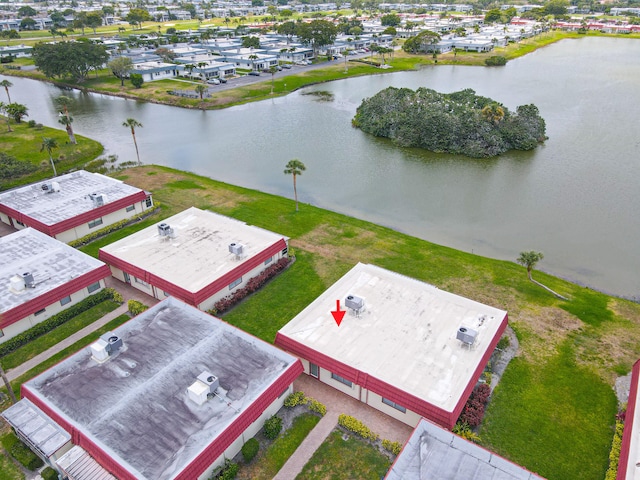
<point>577,198</point>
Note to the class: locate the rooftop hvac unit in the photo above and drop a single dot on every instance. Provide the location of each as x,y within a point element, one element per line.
<point>98,199</point>
<point>17,283</point>
<point>165,230</point>
<point>114,342</point>
<point>354,303</point>
<point>105,346</point>
<point>466,335</point>
<point>28,280</point>
<point>47,187</point>
<point>198,392</point>
<point>236,248</point>
<point>210,380</point>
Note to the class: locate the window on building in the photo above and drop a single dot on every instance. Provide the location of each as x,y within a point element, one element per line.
<point>95,223</point>
<point>235,283</point>
<point>19,223</point>
<point>268,260</point>
<point>386,401</point>
<point>40,311</point>
<point>141,282</point>
<point>93,287</point>
<point>65,300</point>
<point>130,208</point>
<point>341,380</point>
<point>285,250</point>
<point>149,202</point>
<point>313,370</point>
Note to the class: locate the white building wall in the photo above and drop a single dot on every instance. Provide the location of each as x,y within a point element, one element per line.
<point>250,432</point>
<point>353,391</point>
<point>32,320</point>
<point>374,400</point>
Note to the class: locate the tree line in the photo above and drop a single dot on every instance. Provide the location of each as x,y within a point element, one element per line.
<point>460,122</point>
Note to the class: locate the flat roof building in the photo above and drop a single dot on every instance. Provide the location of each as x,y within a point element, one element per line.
<point>628,465</point>
<point>404,347</point>
<point>41,276</point>
<point>435,453</point>
<point>176,393</point>
<point>70,206</point>
<point>196,256</point>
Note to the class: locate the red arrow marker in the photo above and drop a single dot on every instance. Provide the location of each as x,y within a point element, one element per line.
<point>338,315</point>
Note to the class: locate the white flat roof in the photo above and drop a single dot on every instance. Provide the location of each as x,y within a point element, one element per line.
<point>435,453</point>
<point>198,252</point>
<point>406,335</point>
<point>51,262</point>
<point>135,405</point>
<point>72,199</point>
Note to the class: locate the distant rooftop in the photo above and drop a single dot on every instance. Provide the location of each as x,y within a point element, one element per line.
<point>135,406</point>
<point>435,453</point>
<point>198,252</point>
<point>73,198</point>
<point>51,262</point>
<point>405,336</point>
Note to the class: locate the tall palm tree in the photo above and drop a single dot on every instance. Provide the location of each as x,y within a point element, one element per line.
<point>49,144</point>
<point>273,70</point>
<point>3,111</point>
<point>63,102</point>
<point>295,167</point>
<point>6,84</point>
<point>132,124</point>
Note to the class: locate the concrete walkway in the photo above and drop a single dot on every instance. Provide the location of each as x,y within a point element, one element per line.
<point>308,447</point>
<point>127,292</point>
<point>337,403</point>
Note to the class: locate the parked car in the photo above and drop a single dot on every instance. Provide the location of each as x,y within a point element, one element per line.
<point>286,65</point>
<point>222,80</point>
<point>254,73</point>
<point>214,81</point>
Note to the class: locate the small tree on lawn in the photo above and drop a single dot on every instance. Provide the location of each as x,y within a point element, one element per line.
<point>529,260</point>
<point>49,144</point>
<point>295,167</point>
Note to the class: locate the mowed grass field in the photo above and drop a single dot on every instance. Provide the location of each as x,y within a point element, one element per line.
<point>554,409</point>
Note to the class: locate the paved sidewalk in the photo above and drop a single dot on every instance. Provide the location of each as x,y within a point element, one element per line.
<point>308,447</point>
<point>67,342</point>
<point>337,403</point>
<point>127,292</point>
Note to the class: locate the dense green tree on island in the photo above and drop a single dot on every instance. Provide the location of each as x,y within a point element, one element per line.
<point>69,59</point>
<point>460,122</point>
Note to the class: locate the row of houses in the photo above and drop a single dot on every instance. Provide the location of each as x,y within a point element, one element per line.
<point>178,374</point>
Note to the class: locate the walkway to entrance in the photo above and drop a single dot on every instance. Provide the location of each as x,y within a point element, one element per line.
<point>337,403</point>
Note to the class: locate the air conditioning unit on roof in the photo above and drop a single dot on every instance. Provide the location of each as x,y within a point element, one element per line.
<point>466,335</point>
<point>236,248</point>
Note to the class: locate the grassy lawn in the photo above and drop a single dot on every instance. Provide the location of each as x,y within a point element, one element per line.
<point>268,463</point>
<point>24,144</point>
<point>350,459</point>
<point>8,470</point>
<point>80,344</point>
<point>55,336</point>
<point>568,349</point>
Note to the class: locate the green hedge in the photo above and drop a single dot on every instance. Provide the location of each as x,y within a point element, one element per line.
<point>49,474</point>
<point>250,449</point>
<point>55,321</point>
<point>21,452</point>
<point>356,426</point>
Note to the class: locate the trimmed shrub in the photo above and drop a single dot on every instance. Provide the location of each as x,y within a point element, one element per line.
<point>464,430</point>
<point>495,61</point>
<point>317,407</point>
<point>253,285</point>
<point>55,321</point>
<point>503,343</point>
<point>614,454</point>
<point>25,456</point>
<point>136,80</point>
<point>250,449</point>
<point>49,474</point>
<point>272,427</point>
<point>356,426</point>
<point>294,399</point>
<point>136,307</point>
<point>393,447</point>
<point>473,411</point>
<point>226,472</point>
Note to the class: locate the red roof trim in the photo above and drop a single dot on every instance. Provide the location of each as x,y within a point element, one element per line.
<point>632,404</point>
<point>79,438</point>
<point>84,217</point>
<point>48,298</point>
<point>436,414</point>
<point>216,448</point>
<point>193,298</point>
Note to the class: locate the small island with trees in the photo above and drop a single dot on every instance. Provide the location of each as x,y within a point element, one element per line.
<point>460,122</point>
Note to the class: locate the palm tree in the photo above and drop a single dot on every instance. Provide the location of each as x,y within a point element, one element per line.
<point>63,102</point>
<point>295,167</point>
<point>201,89</point>
<point>529,260</point>
<point>7,384</point>
<point>49,144</point>
<point>3,107</point>
<point>132,124</point>
<point>6,84</point>
<point>273,70</point>
<point>493,113</point>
